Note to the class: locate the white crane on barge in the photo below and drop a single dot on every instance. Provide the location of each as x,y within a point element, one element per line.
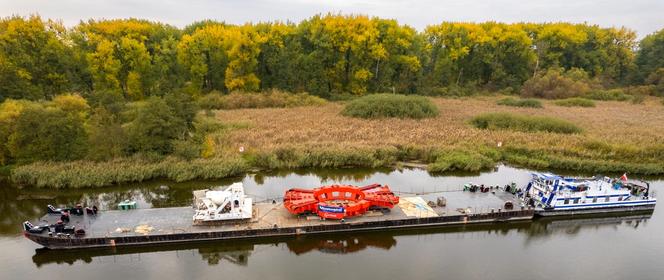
<point>230,204</point>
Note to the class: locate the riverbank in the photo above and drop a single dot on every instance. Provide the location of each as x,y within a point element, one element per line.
<point>617,137</point>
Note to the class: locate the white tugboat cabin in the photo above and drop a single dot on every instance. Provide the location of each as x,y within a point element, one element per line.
<point>230,204</point>
<point>556,195</point>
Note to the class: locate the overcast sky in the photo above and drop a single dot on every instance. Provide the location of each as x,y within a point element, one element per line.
<point>644,16</point>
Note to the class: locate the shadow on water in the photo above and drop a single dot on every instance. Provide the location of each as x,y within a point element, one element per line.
<point>238,252</point>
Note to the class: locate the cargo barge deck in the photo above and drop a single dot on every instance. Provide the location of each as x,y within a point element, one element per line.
<point>174,225</point>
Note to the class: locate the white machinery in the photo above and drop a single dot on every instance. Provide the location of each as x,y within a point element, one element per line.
<point>227,205</point>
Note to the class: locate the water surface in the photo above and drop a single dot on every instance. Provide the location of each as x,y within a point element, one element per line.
<point>607,247</point>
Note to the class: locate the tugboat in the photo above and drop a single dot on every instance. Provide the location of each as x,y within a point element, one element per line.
<point>554,195</point>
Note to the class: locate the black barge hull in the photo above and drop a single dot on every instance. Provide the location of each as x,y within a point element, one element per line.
<point>53,242</point>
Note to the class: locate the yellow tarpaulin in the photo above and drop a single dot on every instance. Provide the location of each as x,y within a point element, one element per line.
<point>416,207</point>
<point>143,229</point>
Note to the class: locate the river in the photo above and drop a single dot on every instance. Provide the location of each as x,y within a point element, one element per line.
<point>627,247</point>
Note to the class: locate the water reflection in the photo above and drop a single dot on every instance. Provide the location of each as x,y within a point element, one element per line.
<point>341,244</point>
<point>213,254</point>
<point>546,228</point>
<point>335,175</point>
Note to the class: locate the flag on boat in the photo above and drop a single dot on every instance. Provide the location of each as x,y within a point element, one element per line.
<point>623,177</point>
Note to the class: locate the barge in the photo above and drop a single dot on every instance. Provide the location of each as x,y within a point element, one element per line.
<point>553,195</point>
<point>136,227</point>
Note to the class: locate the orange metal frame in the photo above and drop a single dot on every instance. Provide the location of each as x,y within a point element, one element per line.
<point>339,201</point>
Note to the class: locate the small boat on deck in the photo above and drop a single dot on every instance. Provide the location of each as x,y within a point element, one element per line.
<point>554,195</point>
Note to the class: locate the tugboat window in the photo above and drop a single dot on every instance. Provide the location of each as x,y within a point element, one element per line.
<point>594,199</point>
<point>566,200</point>
<point>576,201</point>
<point>607,198</point>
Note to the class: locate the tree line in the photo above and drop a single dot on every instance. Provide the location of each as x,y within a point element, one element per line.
<point>102,127</point>
<point>107,89</point>
<point>325,55</point>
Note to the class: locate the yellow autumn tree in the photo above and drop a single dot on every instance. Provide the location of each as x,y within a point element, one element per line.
<point>209,147</point>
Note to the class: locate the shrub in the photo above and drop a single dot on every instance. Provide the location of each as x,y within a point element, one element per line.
<point>72,103</point>
<point>10,110</point>
<point>106,137</point>
<point>187,150</point>
<point>554,85</point>
<point>641,90</point>
<point>461,160</point>
<point>656,81</point>
<point>575,102</point>
<point>638,99</point>
<point>323,157</point>
<point>153,127</point>
<point>525,102</point>
<point>509,121</point>
<point>270,99</point>
<point>607,95</point>
<point>470,89</point>
<point>43,133</point>
<point>211,101</point>
<point>390,106</point>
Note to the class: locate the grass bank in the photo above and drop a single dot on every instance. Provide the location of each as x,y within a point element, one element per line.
<point>80,174</point>
<point>617,137</point>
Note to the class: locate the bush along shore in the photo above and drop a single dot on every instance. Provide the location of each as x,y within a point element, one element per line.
<point>80,174</point>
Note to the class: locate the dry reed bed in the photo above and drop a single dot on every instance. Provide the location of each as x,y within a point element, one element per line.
<point>612,122</point>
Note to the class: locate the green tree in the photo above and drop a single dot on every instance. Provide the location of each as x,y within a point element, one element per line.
<point>184,110</point>
<point>136,57</point>
<point>112,101</point>
<point>107,138</point>
<point>47,133</point>
<point>104,67</point>
<point>204,58</point>
<point>10,110</point>
<point>152,129</point>
<point>650,56</point>
<point>35,62</point>
<point>220,57</point>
